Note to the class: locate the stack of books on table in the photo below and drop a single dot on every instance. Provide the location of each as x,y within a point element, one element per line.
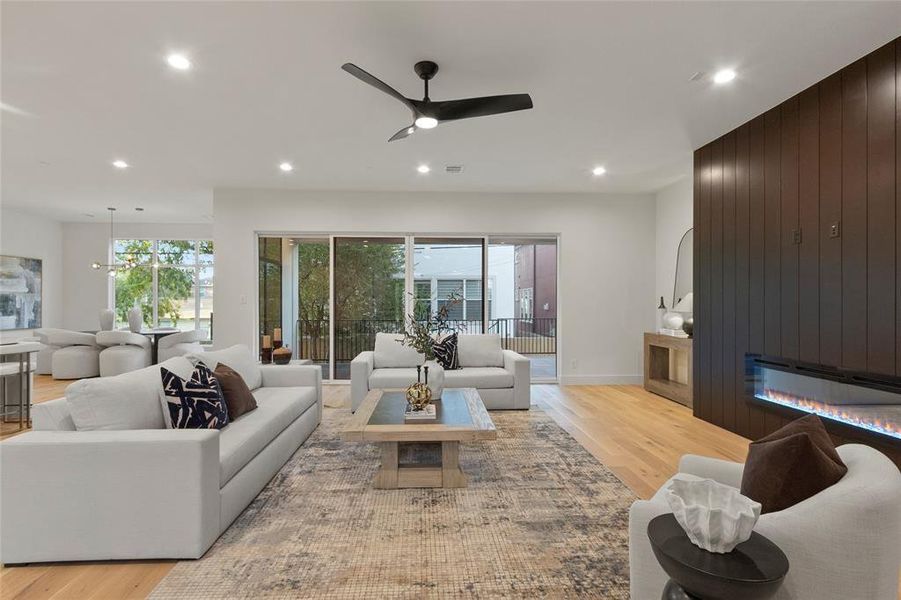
<point>426,414</point>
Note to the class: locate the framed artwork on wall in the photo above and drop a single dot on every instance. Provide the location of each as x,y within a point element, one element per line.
<point>20,292</point>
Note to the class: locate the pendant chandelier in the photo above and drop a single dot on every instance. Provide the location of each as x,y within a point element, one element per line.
<point>111,269</point>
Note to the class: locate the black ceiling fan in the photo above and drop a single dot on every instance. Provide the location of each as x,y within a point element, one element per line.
<point>428,113</point>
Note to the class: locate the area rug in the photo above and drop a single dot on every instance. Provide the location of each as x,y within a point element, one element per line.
<point>541,518</point>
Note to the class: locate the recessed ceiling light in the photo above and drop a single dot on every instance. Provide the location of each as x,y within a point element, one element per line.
<point>598,171</point>
<point>426,122</point>
<point>286,167</point>
<point>178,61</point>
<point>423,168</point>
<point>724,76</point>
<point>120,164</point>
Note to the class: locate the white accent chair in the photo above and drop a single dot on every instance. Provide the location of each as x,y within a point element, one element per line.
<point>180,344</point>
<point>102,478</point>
<point>75,355</point>
<point>123,351</point>
<point>44,356</point>
<point>502,377</point>
<point>844,542</point>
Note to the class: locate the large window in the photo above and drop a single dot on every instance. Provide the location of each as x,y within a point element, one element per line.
<point>330,295</point>
<point>172,282</point>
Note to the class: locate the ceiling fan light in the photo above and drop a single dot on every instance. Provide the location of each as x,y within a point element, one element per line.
<point>426,122</point>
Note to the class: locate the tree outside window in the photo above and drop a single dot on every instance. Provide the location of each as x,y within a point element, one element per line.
<point>172,282</point>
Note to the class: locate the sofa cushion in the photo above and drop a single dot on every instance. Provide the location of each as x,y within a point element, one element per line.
<point>791,464</point>
<point>238,396</point>
<point>127,401</point>
<point>482,350</point>
<point>486,378</point>
<point>249,434</point>
<point>195,402</point>
<point>390,353</point>
<point>381,379</point>
<point>238,357</point>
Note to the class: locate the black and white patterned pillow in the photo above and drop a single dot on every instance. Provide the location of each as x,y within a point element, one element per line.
<point>194,403</point>
<point>446,352</point>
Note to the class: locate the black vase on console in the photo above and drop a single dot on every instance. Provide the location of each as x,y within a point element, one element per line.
<point>688,326</point>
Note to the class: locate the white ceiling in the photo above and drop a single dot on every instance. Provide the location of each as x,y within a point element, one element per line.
<point>87,83</point>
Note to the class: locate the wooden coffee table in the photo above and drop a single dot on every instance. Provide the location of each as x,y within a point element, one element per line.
<point>461,417</point>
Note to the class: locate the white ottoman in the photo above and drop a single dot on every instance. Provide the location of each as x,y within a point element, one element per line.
<point>116,360</point>
<point>76,362</point>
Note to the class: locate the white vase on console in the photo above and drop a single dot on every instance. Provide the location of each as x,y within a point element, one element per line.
<point>135,319</point>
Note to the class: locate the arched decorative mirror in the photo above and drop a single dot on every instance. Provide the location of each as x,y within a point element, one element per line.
<point>682,289</point>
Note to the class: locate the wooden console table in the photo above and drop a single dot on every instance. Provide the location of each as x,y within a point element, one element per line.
<point>664,373</point>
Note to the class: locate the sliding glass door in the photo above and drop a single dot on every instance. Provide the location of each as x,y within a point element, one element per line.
<point>330,295</point>
<point>313,337</point>
<point>448,272</point>
<point>523,275</point>
<point>368,295</point>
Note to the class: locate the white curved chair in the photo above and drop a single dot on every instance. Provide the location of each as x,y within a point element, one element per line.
<point>123,352</point>
<point>179,344</point>
<point>840,543</point>
<point>73,354</point>
<point>44,356</point>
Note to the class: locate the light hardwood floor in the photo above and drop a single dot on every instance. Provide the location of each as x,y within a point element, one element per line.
<point>638,435</point>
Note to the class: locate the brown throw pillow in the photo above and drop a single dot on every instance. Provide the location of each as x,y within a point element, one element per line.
<point>237,395</point>
<point>791,465</point>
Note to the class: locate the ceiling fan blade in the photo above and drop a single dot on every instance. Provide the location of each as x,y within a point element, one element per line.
<point>405,132</point>
<point>450,110</point>
<point>377,83</point>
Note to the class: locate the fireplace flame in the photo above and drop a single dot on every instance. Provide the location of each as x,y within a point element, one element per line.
<point>841,414</point>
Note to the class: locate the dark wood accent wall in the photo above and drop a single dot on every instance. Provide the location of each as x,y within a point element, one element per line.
<point>798,240</point>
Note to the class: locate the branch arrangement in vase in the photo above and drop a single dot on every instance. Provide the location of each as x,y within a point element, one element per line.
<point>422,333</point>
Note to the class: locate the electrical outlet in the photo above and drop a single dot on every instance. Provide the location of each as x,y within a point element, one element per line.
<point>574,364</point>
<point>835,229</point>
<point>796,236</point>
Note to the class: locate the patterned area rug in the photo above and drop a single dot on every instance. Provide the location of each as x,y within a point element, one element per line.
<point>540,518</point>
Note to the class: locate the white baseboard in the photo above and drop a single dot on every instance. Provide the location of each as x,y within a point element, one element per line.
<point>602,380</point>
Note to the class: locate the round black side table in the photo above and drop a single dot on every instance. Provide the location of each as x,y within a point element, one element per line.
<point>753,571</point>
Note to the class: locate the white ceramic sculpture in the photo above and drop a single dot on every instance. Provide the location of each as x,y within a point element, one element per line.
<point>135,319</point>
<point>716,517</point>
<point>436,378</point>
<point>107,319</point>
<point>673,320</point>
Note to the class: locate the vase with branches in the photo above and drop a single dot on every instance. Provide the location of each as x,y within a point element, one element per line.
<point>423,329</point>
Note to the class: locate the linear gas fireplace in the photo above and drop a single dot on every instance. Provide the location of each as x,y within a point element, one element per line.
<point>870,404</point>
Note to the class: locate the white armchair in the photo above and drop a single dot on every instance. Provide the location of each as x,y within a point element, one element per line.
<point>73,354</point>
<point>179,344</point>
<point>123,351</point>
<point>840,543</point>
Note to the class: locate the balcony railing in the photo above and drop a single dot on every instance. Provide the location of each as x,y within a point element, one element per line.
<point>526,336</point>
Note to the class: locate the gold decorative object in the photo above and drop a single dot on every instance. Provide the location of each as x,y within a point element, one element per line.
<point>419,395</point>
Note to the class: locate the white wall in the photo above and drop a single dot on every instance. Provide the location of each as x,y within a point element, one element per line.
<point>607,255</point>
<point>88,291</point>
<point>33,236</point>
<point>674,207</point>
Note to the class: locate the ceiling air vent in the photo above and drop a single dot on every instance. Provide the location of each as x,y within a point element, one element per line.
<point>453,169</point>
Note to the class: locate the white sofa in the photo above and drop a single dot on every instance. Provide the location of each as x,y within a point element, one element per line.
<point>122,486</point>
<point>844,542</point>
<point>502,377</point>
